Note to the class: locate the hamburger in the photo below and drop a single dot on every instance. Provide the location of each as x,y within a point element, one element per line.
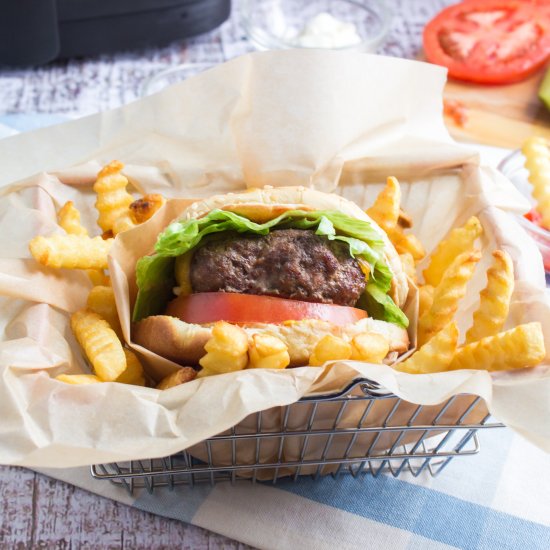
<point>290,261</point>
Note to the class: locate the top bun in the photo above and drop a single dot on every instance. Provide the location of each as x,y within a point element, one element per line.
<point>261,205</point>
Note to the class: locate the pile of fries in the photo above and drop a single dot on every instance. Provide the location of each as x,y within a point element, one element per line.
<point>97,327</point>
<point>445,279</point>
<point>444,284</point>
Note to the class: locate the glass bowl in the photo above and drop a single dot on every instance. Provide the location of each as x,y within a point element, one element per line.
<point>333,24</point>
<point>513,168</point>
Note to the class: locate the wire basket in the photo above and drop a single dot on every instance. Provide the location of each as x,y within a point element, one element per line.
<point>360,430</point>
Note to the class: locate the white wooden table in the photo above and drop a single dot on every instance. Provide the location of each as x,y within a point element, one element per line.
<point>40,512</point>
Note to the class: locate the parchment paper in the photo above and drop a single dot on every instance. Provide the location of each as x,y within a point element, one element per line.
<point>338,122</point>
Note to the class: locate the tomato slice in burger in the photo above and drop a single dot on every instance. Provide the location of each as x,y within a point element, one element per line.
<point>209,307</point>
<point>490,41</point>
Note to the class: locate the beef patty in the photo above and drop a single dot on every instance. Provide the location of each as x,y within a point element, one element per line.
<point>287,263</point>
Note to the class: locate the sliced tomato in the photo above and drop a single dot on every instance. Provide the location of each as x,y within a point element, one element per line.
<point>490,41</point>
<point>209,307</point>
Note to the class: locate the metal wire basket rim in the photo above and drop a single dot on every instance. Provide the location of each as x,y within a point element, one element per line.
<point>328,431</point>
<point>96,473</point>
<point>369,388</point>
<point>302,433</point>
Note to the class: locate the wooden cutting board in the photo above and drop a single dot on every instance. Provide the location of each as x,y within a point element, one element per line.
<point>503,116</point>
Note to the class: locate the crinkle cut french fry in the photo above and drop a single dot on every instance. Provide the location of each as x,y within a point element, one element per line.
<point>79,379</point>
<point>133,373</point>
<point>69,219</point>
<point>98,277</point>
<point>370,347</point>
<point>330,348</point>
<point>100,344</point>
<point>181,376</point>
<point>494,298</point>
<point>447,294</point>
<point>537,161</point>
<point>405,220</point>
<point>385,210</point>
<point>460,240</point>
<point>407,261</point>
<point>123,223</point>
<point>101,300</point>
<point>112,198</point>
<point>71,251</point>
<point>142,209</point>
<point>267,352</point>
<point>425,299</point>
<point>519,347</point>
<point>434,356</point>
<point>406,243</point>
<point>227,349</point>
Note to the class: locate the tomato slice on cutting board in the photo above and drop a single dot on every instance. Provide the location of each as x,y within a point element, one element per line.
<point>490,41</point>
<point>209,307</point>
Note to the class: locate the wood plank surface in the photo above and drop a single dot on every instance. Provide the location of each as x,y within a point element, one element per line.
<point>40,512</point>
<point>503,116</point>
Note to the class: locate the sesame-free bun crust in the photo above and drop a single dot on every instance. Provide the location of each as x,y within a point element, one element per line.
<point>184,343</point>
<point>171,338</point>
<point>264,204</point>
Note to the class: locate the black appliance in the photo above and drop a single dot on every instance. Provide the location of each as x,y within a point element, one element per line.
<point>34,32</point>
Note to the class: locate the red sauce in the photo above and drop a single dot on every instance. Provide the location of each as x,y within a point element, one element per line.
<point>535,217</point>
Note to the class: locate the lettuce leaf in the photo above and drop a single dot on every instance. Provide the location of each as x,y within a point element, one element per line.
<point>381,306</point>
<point>155,280</point>
<point>155,274</point>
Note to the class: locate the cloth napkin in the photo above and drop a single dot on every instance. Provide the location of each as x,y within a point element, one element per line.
<point>497,499</point>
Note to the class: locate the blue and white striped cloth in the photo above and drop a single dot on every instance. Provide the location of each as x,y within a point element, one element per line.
<point>498,499</point>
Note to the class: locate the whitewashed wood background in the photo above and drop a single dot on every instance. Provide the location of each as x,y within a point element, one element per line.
<point>87,86</point>
<point>40,512</point>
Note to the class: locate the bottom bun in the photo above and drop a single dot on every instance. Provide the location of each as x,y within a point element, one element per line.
<point>184,343</point>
